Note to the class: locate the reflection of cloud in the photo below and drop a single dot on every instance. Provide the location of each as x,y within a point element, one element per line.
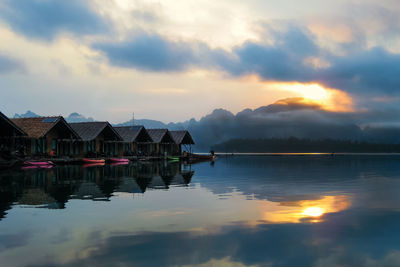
<point>8,241</point>
<point>347,238</point>
<point>297,211</point>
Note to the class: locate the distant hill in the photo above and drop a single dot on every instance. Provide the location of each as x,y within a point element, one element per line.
<point>76,117</point>
<point>28,114</point>
<point>73,117</point>
<point>146,123</point>
<point>295,145</point>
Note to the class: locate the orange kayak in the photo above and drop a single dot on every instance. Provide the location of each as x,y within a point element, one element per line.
<point>93,160</point>
<point>87,165</point>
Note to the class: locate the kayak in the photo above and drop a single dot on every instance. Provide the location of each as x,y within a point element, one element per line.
<point>37,167</point>
<point>93,160</point>
<point>118,160</point>
<point>119,163</point>
<point>173,158</point>
<point>38,163</point>
<point>88,165</point>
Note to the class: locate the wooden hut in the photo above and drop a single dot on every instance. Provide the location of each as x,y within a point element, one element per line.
<point>49,136</point>
<point>12,138</point>
<point>137,140</point>
<point>98,139</point>
<point>163,143</point>
<point>182,138</point>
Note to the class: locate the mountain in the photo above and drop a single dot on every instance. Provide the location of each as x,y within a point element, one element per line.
<point>28,114</point>
<point>292,117</point>
<point>146,123</point>
<point>76,117</point>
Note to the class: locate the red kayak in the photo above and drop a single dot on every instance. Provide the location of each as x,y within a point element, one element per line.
<point>38,163</point>
<point>93,160</point>
<point>118,160</point>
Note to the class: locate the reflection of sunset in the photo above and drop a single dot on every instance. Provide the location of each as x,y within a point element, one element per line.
<point>294,212</point>
<point>315,94</point>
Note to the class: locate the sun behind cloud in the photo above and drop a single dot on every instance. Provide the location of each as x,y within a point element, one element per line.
<point>313,93</point>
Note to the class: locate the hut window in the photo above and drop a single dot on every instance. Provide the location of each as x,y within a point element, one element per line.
<point>76,149</point>
<point>54,145</point>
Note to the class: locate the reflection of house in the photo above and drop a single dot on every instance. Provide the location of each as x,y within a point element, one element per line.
<point>182,138</point>
<point>157,182</point>
<point>183,178</point>
<point>38,198</point>
<point>137,140</point>
<point>98,138</point>
<point>48,134</point>
<point>11,136</point>
<point>129,185</point>
<point>89,190</point>
<point>163,143</point>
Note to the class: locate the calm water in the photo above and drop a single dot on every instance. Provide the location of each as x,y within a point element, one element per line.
<point>313,210</point>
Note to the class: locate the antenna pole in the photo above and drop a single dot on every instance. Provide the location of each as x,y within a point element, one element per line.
<point>133,118</point>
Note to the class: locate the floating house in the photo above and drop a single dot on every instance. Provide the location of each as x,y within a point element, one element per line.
<point>137,141</point>
<point>163,143</point>
<point>182,138</point>
<point>98,139</point>
<point>48,136</point>
<point>12,138</point>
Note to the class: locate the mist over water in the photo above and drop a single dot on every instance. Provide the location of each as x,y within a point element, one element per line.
<point>286,210</point>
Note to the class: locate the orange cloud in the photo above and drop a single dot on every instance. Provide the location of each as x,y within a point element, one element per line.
<point>314,94</point>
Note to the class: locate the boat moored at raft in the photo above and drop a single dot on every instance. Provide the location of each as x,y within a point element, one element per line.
<point>88,165</point>
<point>38,163</point>
<point>86,160</point>
<point>119,160</point>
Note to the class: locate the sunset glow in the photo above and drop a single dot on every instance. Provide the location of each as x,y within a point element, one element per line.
<point>313,210</point>
<point>314,93</point>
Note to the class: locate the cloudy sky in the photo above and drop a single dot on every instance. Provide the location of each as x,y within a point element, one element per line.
<point>172,60</point>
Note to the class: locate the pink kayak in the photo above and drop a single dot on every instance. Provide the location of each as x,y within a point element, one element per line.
<point>118,160</point>
<point>38,163</point>
<point>119,163</point>
<point>37,167</point>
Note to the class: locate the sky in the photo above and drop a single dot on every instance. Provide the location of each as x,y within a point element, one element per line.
<point>173,60</point>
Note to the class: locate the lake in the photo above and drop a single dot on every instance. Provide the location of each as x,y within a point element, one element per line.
<point>281,210</point>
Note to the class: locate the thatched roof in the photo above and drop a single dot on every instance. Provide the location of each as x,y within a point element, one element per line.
<point>182,137</point>
<point>90,130</point>
<point>38,127</point>
<point>133,134</point>
<point>160,136</point>
<point>8,128</point>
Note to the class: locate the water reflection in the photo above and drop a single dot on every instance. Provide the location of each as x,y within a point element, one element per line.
<point>243,211</point>
<point>53,188</point>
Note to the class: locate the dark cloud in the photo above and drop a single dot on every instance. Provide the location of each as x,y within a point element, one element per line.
<point>45,19</point>
<point>367,72</point>
<point>372,71</point>
<point>150,52</point>
<point>8,64</point>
